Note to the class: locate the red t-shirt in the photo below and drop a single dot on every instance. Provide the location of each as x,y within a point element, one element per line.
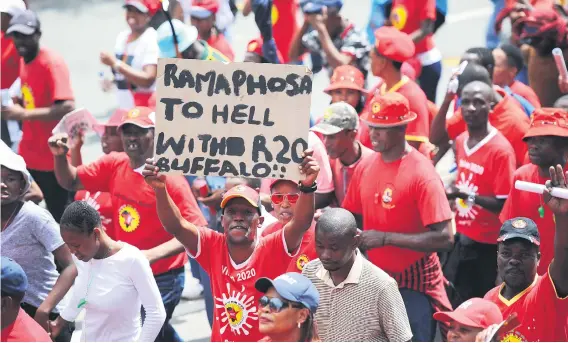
<point>232,285</point>
<point>44,81</point>
<point>219,42</point>
<point>543,315</point>
<point>526,204</point>
<point>284,25</point>
<point>307,251</point>
<point>526,92</point>
<point>507,117</point>
<point>24,329</point>
<point>102,202</point>
<point>342,174</point>
<point>407,197</point>
<point>136,221</point>
<point>407,16</point>
<point>486,170</point>
<point>10,62</point>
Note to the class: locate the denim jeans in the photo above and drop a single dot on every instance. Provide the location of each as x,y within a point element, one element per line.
<point>170,285</point>
<point>420,312</point>
<point>429,78</point>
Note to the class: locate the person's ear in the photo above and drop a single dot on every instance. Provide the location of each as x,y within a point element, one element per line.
<point>6,303</point>
<point>260,221</point>
<point>303,316</point>
<point>357,239</point>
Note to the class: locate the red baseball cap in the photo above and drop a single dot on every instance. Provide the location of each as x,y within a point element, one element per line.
<point>394,44</point>
<point>140,116</point>
<point>475,312</point>
<point>273,182</point>
<point>347,77</point>
<point>255,46</point>
<point>548,122</point>
<point>202,9</point>
<point>114,121</point>
<point>244,192</point>
<point>388,110</point>
<point>150,7</point>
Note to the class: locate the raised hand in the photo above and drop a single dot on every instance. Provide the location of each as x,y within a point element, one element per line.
<point>59,144</point>
<point>558,179</point>
<point>152,175</point>
<point>309,168</point>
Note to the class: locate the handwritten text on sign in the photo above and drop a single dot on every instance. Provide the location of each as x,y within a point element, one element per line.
<point>232,119</point>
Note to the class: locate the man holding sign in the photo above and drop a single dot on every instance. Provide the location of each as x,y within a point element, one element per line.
<point>236,258</point>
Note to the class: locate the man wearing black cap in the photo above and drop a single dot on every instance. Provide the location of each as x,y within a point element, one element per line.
<point>541,302</point>
<point>17,325</point>
<point>46,98</point>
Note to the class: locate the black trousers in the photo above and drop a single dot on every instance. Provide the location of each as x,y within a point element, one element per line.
<point>56,197</point>
<point>471,269</point>
<point>66,333</point>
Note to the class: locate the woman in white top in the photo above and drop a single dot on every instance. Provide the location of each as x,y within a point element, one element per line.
<point>114,280</point>
<point>135,58</point>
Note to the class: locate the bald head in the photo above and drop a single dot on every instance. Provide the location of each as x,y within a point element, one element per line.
<point>480,87</point>
<point>474,72</point>
<point>337,221</point>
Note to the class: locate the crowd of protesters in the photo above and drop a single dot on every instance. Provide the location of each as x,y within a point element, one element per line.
<point>406,224</point>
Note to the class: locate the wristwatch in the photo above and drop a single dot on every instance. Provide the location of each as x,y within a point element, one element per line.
<point>307,189</point>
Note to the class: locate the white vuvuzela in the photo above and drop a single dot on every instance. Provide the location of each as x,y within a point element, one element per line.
<point>538,188</point>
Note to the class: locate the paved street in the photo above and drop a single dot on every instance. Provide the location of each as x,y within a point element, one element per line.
<point>81,29</point>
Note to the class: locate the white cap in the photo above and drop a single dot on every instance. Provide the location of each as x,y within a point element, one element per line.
<point>13,161</point>
<point>12,6</point>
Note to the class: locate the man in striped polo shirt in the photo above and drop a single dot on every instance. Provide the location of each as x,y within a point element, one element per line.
<point>352,287</point>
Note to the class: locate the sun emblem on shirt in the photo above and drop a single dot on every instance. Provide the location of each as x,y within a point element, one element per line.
<point>235,309</point>
<point>398,17</point>
<point>128,218</point>
<point>465,185</point>
<point>302,261</point>
<point>386,199</point>
<point>513,336</point>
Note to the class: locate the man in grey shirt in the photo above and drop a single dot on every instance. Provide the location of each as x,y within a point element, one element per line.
<point>358,301</point>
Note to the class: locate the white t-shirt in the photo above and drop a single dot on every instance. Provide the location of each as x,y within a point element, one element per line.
<point>139,53</point>
<point>115,288</point>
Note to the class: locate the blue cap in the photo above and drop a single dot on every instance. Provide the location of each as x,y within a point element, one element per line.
<point>186,35</point>
<point>315,6</point>
<point>14,280</point>
<point>293,287</point>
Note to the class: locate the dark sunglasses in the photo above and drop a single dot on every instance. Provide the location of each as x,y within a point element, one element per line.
<point>278,198</point>
<point>275,304</point>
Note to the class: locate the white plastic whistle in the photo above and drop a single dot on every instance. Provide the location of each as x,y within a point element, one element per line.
<point>538,188</point>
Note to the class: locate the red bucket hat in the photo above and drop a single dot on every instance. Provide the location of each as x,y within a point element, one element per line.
<point>150,7</point>
<point>255,46</point>
<point>388,110</point>
<point>548,122</point>
<point>394,44</point>
<point>347,77</point>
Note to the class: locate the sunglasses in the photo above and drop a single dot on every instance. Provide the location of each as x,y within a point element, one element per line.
<point>278,198</point>
<point>275,304</point>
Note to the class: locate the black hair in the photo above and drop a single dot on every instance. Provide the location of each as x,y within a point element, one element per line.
<point>397,65</point>
<point>514,56</point>
<point>474,72</point>
<point>337,221</point>
<point>309,331</point>
<point>485,58</point>
<point>81,217</point>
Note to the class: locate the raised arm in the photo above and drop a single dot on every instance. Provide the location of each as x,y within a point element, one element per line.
<point>559,206</point>
<point>168,212</point>
<point>65,173</point>
<point>305,207</point>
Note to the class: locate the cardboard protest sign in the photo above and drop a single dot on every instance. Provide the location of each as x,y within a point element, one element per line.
<point>237,119</point>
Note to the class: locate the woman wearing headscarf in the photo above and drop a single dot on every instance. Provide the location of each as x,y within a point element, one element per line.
<point>31,237</point>
<point>114,280</point>
<point>286,311</point>
<point>134,61</point>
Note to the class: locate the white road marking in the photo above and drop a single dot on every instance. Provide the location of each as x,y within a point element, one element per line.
<point>483,12</point>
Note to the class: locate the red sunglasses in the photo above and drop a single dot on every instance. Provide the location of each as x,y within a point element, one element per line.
<point>278,198</point>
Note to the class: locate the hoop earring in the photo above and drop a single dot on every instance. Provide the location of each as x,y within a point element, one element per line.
<point>299,325</point>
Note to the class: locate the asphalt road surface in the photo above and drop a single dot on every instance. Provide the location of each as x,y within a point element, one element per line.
<point>81,29</point>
